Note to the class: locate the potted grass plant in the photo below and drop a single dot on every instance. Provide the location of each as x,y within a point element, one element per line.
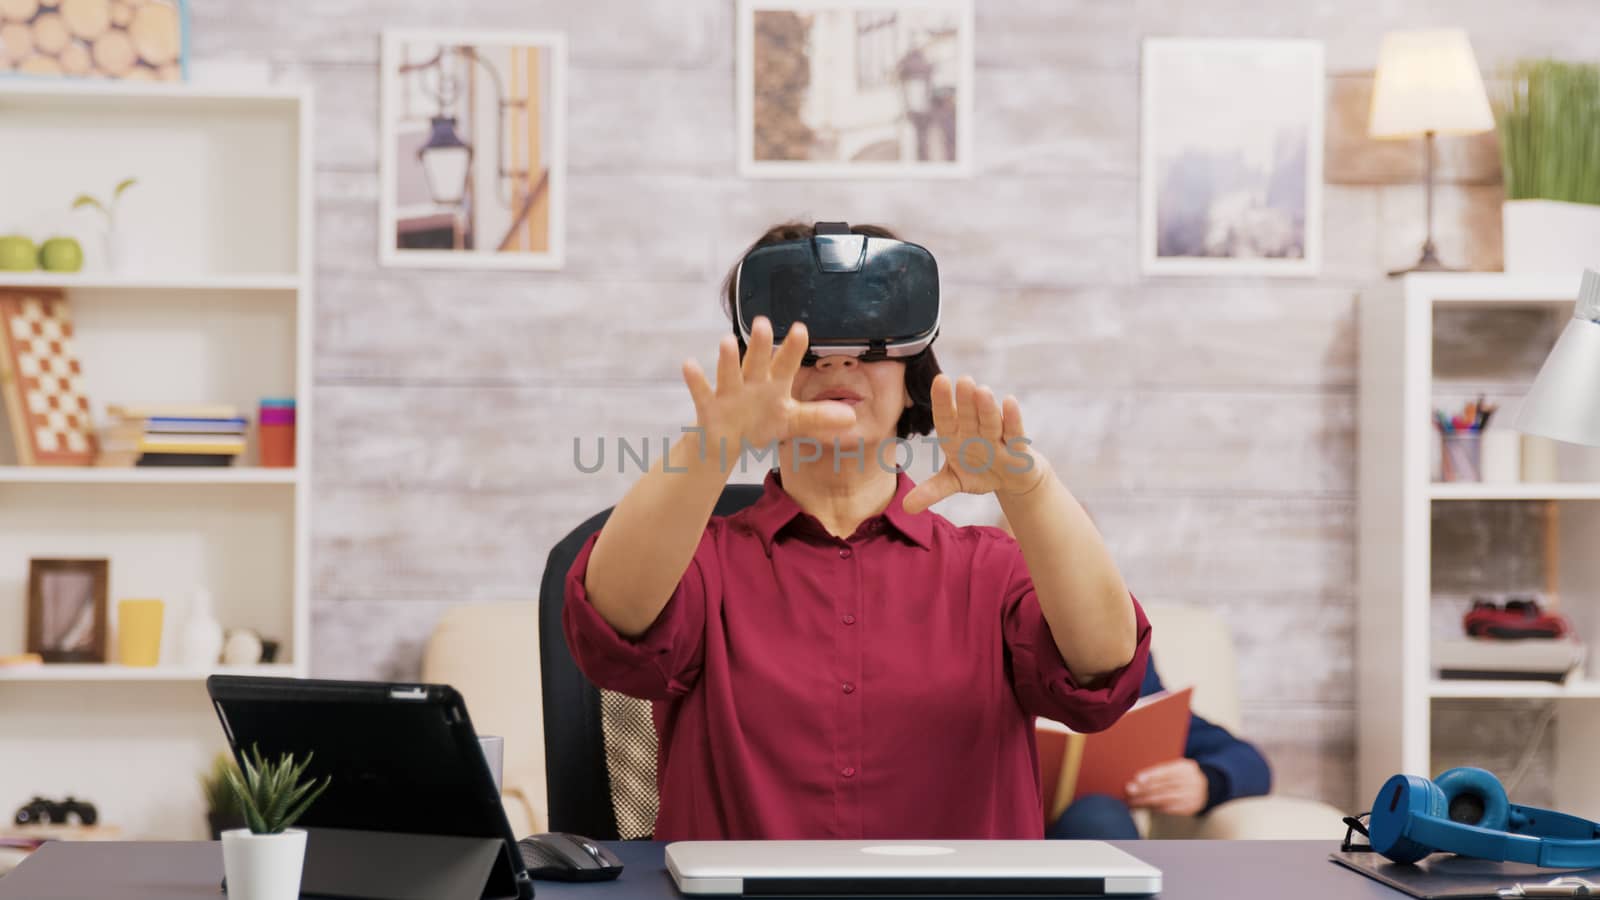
<point>263,860</point>
<point>1548,115</point>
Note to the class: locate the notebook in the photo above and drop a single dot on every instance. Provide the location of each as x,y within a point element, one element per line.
<point>909,868</point>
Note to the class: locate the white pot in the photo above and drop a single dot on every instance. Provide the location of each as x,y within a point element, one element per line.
<point>1550,236</point>
<point>263,866</point>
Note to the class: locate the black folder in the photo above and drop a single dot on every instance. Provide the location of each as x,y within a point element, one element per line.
<point>1445,876</point>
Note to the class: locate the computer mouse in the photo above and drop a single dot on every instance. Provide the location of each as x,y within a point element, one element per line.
<point>557,856</point>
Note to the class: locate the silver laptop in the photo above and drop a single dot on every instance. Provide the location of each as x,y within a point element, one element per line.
<point>909,868</point>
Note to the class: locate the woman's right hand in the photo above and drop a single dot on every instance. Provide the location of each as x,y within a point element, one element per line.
<point>754,402</point>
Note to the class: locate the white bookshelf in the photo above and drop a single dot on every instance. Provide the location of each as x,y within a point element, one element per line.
<point>1397,684</point>
<point>1582,688</point>
<point>198,475</point>
<point>114,672</point>
<point>212,304</point>
<point>1571,491</point>
<point>289,285</point>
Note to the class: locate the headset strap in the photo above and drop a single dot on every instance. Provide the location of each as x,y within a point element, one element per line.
<point>1444,835</point>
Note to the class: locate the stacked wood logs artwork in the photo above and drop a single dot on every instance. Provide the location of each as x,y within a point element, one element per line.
<point>140,40</point>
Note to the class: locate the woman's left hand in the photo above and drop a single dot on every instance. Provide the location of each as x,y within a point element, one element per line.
<point>983,443</point>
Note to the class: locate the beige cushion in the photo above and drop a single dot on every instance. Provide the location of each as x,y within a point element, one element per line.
<point>490,653</point>
<point>1191,646</point>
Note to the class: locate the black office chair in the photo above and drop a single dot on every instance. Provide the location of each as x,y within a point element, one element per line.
<point>600,746</point>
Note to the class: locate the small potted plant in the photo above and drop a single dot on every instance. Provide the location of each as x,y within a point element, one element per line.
<point>1548,115</point>
<point>222,804</point>
<point>263,860</point>
<point>115,253</point>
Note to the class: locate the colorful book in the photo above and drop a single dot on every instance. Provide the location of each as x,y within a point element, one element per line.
<point>168,425</point>
<point>177,411</point>
<point>183,459</point>
<point>229,445</point>
<point>1073,764</point>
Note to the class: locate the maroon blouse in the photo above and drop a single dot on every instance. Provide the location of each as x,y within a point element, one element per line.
<point>879,687</point>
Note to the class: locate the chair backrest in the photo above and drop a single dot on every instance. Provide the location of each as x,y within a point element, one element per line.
<point>584,773</point>
<point>1191,646</point>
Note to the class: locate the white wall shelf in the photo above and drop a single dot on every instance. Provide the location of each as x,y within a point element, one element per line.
<point>90,672</point>
<point>1524,491</point>
<point>155,475</point>
<point>86,97</point>
<point>151,282</point>
<point>1496,690</point>
<point>1397,684</point>
<point>216,307</point>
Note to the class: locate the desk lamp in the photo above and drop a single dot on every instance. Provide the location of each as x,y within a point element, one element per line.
<point>1428,83</point>
<point>1564,402</point>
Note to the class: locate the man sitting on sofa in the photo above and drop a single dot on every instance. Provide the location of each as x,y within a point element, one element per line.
<point>1216,767</point>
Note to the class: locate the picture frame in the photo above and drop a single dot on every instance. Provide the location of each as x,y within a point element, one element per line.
<point>68,618</point>
<point>855,88</point>
<point>95,39</point>
<point>1231,156</point>
<point>446,199</point>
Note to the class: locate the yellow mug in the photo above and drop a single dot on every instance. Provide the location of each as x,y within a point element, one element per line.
<point>139,632</point>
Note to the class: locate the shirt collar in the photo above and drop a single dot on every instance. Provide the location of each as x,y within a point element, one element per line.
<point>775,509</point>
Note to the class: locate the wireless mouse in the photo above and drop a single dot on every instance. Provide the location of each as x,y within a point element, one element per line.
<point>557,856</point>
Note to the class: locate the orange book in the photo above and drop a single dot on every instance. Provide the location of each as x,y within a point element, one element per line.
<point>1072,764</point>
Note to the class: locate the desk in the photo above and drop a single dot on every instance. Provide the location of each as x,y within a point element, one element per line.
<point>192,871</point>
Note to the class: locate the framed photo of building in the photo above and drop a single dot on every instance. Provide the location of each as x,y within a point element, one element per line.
<point>473,149</point>
<point>1231,157</point>
<point>67,616</point>
<point>855,88</point>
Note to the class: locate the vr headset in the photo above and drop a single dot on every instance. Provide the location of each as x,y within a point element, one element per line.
<point>1465,811</point>
<point>867,297</point>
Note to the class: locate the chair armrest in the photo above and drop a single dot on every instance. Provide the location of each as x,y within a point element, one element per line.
<point>1271,818</point>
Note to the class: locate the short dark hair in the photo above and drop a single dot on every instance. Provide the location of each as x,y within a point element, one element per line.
<point>920,369</point>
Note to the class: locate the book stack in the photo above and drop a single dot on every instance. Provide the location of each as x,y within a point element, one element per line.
<point>172,436</point>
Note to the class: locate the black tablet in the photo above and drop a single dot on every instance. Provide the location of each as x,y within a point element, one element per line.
<point>404,760</point>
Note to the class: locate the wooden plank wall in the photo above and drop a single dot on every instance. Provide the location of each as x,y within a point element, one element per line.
<point>1208,423</point>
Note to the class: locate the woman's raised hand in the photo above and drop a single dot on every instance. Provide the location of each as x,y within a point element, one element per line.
<point>754,402</point>
<point>985,447</point>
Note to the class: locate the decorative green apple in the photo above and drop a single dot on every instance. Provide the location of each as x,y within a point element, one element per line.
<point>17,253</point>
<point>61,254</point>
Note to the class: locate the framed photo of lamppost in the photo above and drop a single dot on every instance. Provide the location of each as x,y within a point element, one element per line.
<point>473,149</point>
<point>855,88</point>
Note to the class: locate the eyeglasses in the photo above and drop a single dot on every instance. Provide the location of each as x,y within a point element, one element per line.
<point>1357,824</point>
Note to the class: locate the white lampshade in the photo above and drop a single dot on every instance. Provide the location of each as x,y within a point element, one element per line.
<point>1428,81</point>
<point>1565,400</point>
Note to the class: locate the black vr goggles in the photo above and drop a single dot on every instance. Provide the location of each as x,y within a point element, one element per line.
<point>868,297</point>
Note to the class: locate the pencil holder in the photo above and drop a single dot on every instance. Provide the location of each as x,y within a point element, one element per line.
<point>1462,457</point>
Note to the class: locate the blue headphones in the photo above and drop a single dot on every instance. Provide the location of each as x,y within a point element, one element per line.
<point>1464,811</point>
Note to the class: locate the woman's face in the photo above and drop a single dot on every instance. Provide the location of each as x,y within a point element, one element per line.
<point>876,390</point>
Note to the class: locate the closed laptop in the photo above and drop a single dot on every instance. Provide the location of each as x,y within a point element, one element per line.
<point>908,868</point>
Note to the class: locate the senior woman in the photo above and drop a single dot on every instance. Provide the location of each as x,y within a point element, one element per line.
<point>836,661</point>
